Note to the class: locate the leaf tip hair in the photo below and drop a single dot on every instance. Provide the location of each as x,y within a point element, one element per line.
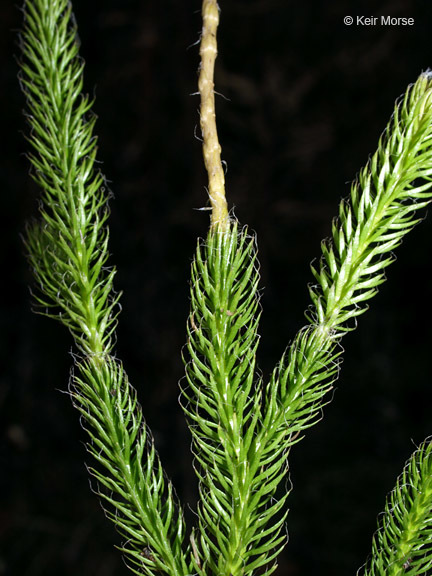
<point>427,74</point>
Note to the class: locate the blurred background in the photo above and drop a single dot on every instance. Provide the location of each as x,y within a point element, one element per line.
<point>304,99</point>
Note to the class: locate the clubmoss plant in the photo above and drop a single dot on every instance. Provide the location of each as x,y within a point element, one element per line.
<point>242,425</point>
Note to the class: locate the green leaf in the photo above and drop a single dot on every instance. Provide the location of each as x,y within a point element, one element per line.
<point>68,251</point>
<point>381,211</point>
<point>402,544</point>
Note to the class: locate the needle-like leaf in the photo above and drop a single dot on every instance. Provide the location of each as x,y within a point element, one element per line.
<point>68,251</point>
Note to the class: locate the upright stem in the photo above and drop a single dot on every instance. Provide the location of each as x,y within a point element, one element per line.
<point>211,146</point>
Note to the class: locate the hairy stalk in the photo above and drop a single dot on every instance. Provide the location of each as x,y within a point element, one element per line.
<point>403,543</point>
<point>68,251</point>
<point>211,146</point>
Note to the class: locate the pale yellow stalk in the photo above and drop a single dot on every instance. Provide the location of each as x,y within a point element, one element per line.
<point>211,146</point>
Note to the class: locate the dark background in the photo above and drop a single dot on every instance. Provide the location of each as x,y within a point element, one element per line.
<point>305,100</point>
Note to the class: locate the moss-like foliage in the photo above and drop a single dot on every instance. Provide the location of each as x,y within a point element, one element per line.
<point>242,426</point>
